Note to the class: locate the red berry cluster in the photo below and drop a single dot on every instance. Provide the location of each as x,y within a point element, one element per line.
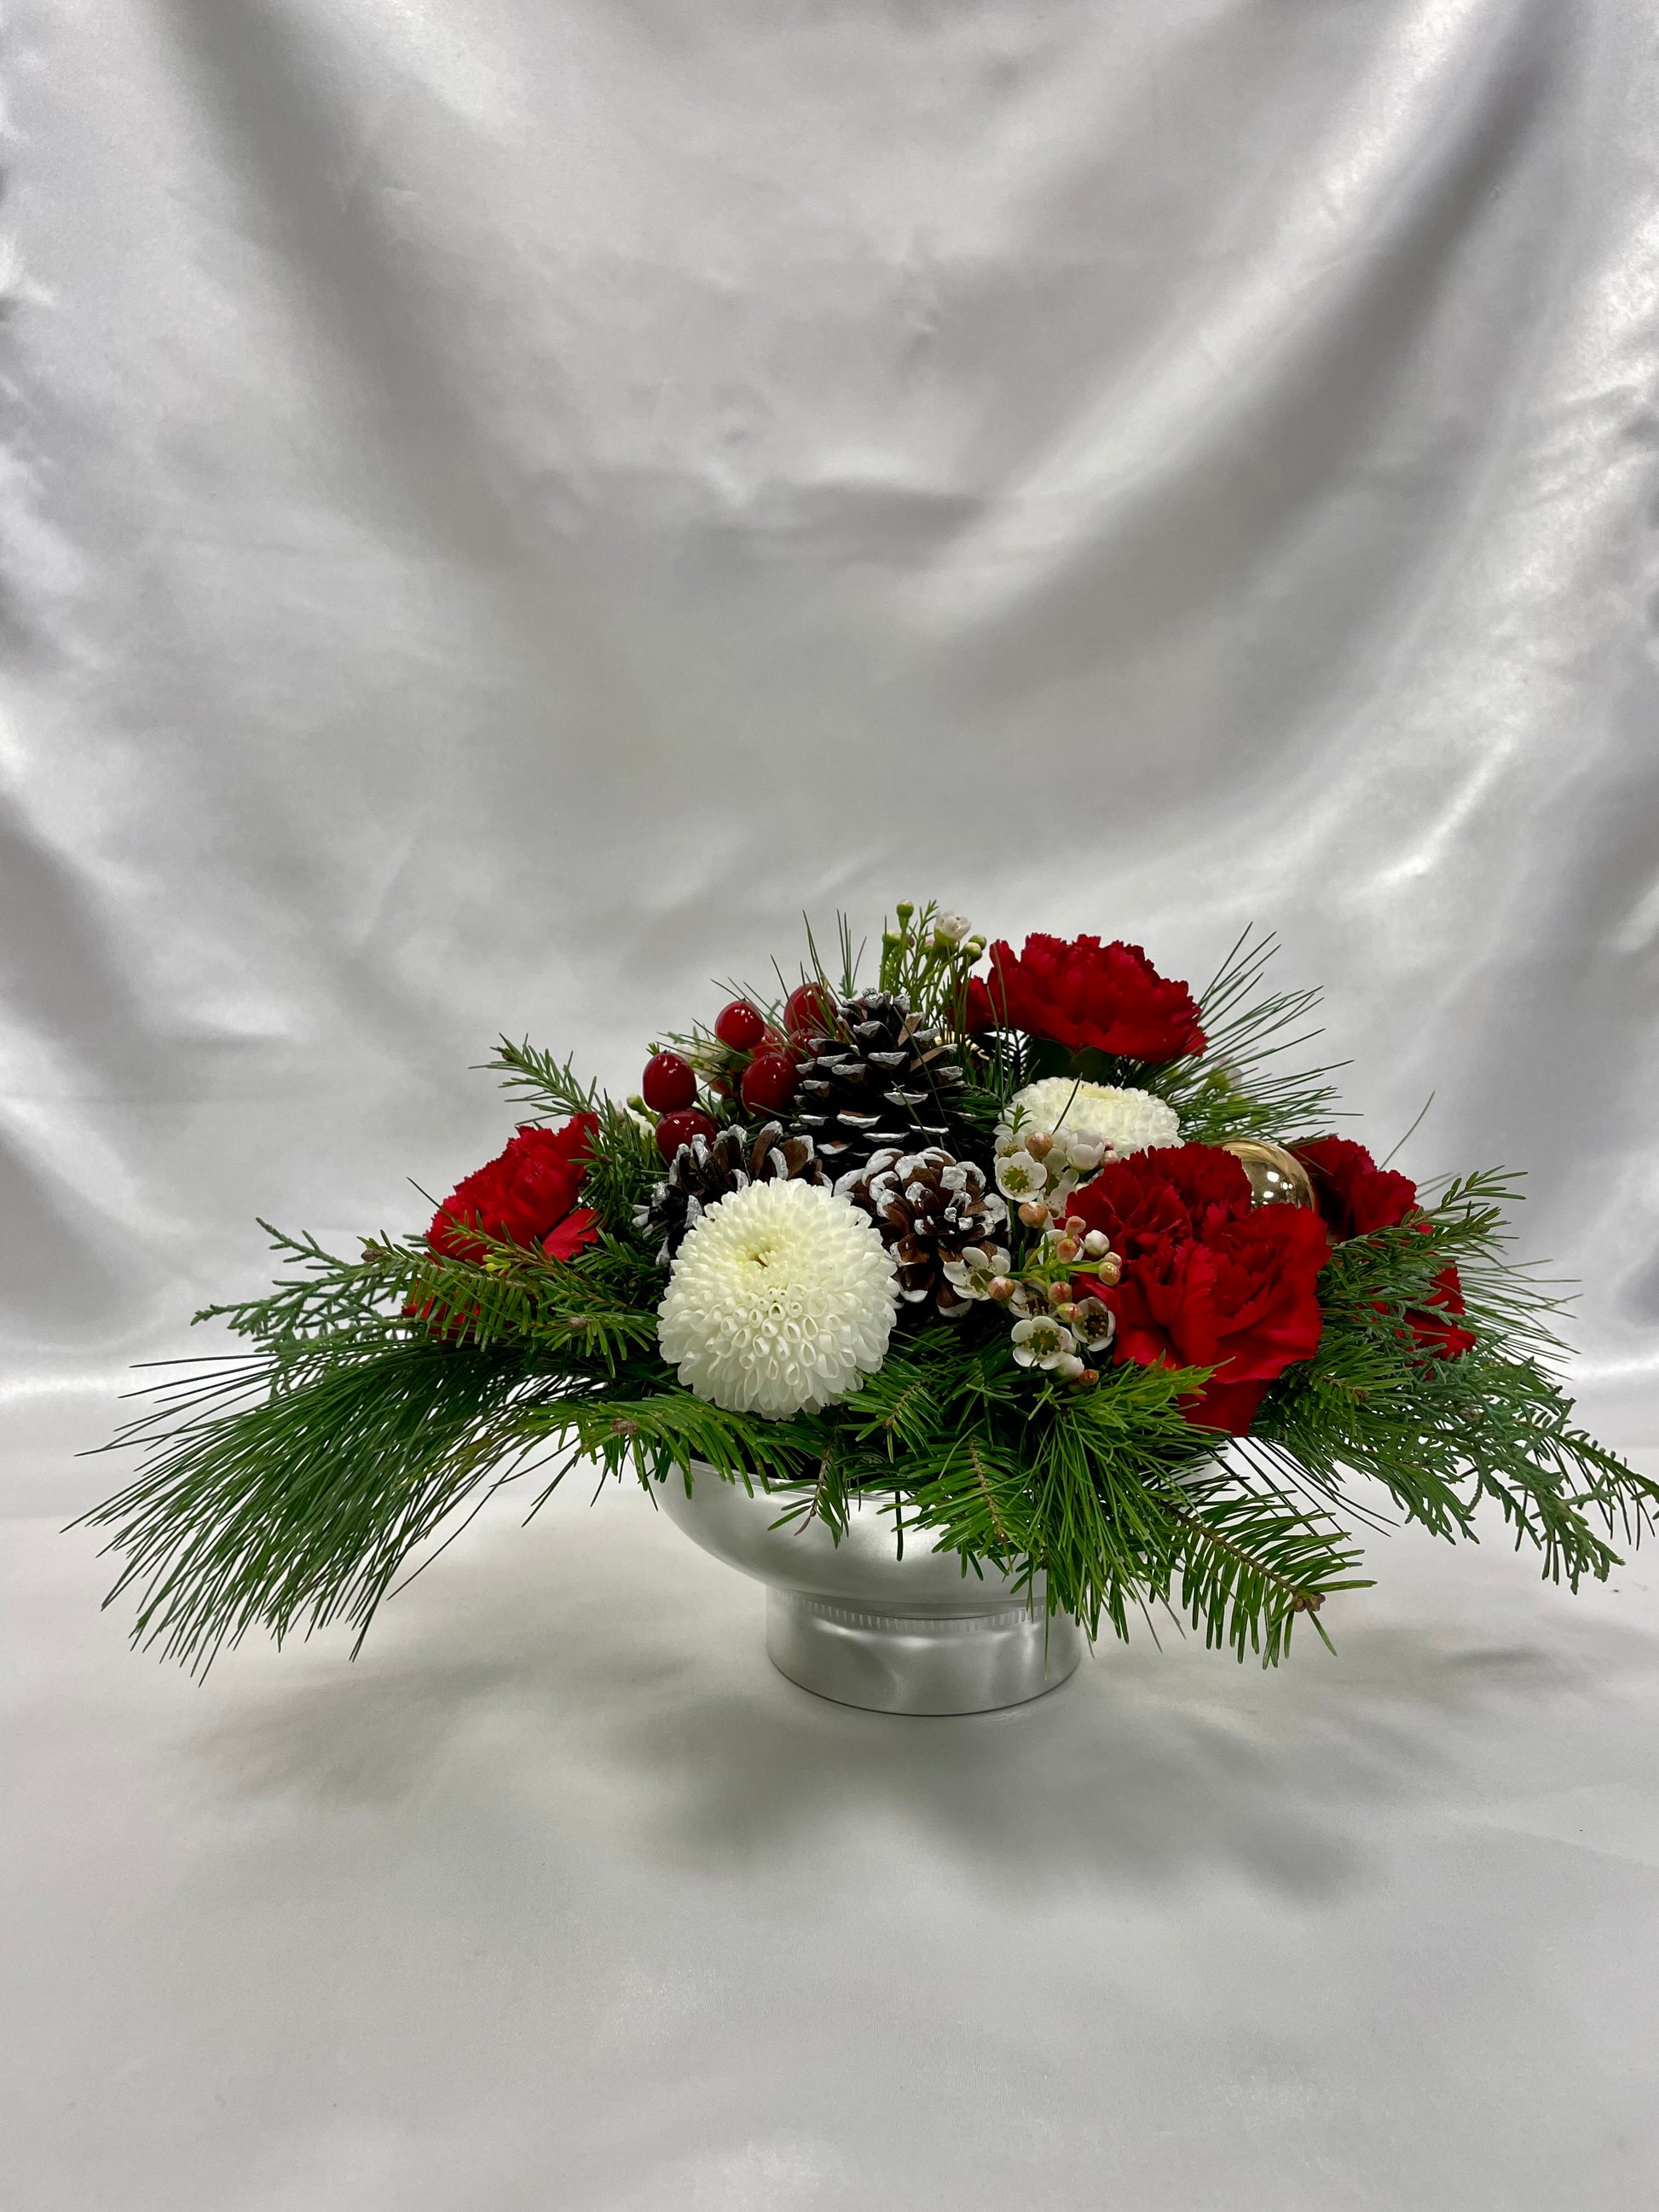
<point>670,1089</point>
<point>762,1069</point>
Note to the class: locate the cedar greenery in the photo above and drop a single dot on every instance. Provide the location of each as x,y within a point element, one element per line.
<point>285,1484</point>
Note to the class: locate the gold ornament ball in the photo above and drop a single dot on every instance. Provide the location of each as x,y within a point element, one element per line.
<point>1277,1177</point>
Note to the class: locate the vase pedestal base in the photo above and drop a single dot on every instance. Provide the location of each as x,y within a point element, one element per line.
<point>890,1662</point>
<point>875,1615</point>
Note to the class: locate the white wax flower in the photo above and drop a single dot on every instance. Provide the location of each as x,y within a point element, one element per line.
<point>1042,1341</point>
<point>1093,1121</point>
<point>972,1275</point>
<point>1019,1175</point>
<point>781,1298</point>
<point>1095,1324</point>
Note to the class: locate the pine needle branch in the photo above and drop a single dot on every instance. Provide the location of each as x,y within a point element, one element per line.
<point>296,1506</point>
<point>1237,1087</point>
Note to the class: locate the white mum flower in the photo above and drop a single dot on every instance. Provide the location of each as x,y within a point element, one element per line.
<point>781,1298</point>
<point>1093,1121</point>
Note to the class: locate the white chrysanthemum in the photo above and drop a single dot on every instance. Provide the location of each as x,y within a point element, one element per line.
<point>1085,1114</point>
<point>782,1297</point>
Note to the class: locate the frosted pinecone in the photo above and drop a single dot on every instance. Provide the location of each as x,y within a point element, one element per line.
<point>934,1212</point>
<point>879,1078</point>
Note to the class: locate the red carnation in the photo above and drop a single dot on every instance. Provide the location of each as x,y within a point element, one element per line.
<point>1085,993</point>
<point>1354,1195</point>
<point>527,1195</point>
<point>1208,1280</point>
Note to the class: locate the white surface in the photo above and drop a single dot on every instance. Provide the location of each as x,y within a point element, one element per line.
<point>561,1898</point>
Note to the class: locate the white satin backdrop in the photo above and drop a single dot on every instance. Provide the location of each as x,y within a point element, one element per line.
<point>506,501</point>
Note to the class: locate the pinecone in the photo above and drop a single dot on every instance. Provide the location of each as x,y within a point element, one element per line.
<point>879,1079</point>
<point>930,1210</point>
<point>700,1174</point>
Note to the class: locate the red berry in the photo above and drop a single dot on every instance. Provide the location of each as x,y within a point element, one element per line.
<point>770,1083</point>
<point>807,1009</point>
<point>739,1026</point>
<point>670,1083</point>
<point>676,1129</point>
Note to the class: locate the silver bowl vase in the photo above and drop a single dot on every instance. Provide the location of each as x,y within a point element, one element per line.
<point>861,1623</point>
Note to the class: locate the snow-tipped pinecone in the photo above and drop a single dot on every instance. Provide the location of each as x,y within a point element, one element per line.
<point>701,1173</point>
<point>878,1077</point>
<point>930,1209</point>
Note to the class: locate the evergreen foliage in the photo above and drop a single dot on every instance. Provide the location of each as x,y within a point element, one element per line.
<point>285,1484</point>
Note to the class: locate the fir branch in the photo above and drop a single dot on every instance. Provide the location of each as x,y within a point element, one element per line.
<point>1250,1561</point>
<point>660,1431</point>
<point>534,1078</point>
<point>901,1407</point>
<point>1107,1544</point>
<point>978,1504</point>
<point>1057,1486</point>
<point>1441,1435</point>
<point>622,1166</point>
<point>330,1293</point>
<point>587,1313</point>
<point>826,1501</point>
<point>589,1308</point>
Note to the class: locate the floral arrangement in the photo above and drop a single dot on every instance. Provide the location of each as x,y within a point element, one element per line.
<point>1060,1260</point>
